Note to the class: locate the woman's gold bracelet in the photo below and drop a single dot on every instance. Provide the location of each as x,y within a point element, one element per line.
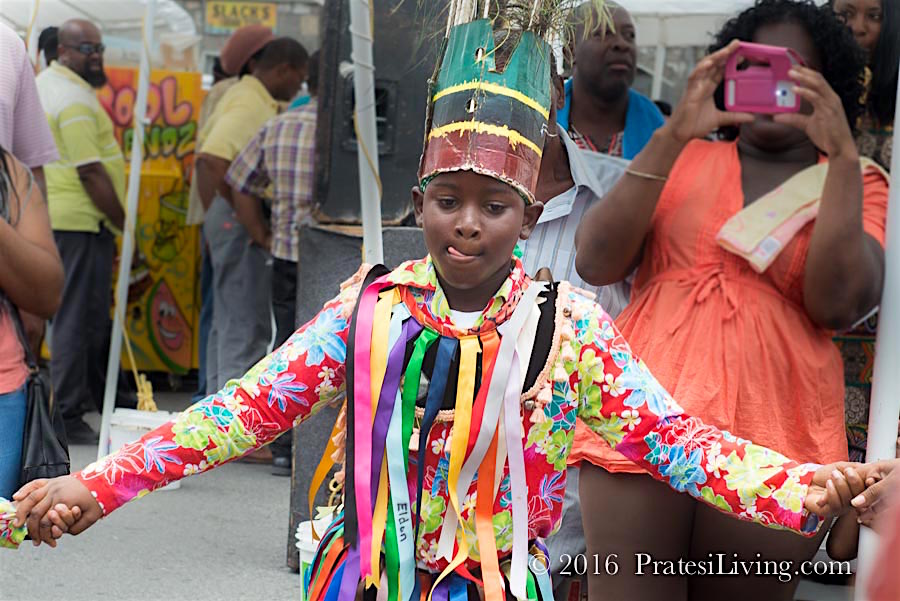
<point>650,176</point>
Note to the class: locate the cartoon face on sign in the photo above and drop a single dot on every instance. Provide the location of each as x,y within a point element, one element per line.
<point>170,233</point>
<point>170,332</point>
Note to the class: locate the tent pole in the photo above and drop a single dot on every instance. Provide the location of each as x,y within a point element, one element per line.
<point>134,186</point>
<point>885,406</point>
<point>31,36</point>
<point>361,19</point>
<point>659,71</point>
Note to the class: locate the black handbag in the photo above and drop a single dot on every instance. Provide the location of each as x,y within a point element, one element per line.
<point>45,450</point>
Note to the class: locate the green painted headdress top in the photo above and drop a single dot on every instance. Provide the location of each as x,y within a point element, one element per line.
<point>489,103</point>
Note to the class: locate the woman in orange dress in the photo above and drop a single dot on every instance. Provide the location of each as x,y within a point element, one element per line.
<point>749,352</point>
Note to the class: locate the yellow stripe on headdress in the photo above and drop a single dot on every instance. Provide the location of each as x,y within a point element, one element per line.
<point>497,89</point>
<point>485,128</point>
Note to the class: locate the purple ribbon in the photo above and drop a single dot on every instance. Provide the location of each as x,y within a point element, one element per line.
<point>350,577</point>
<point>389,388</point>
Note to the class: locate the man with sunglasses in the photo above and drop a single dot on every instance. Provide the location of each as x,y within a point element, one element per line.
<point>85,188</point>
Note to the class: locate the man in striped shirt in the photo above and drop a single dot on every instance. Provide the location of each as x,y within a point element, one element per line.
<point>552,245</point>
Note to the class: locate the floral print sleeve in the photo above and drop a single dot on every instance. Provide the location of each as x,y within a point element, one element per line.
<point>620,400</point>
<point>279,392</point>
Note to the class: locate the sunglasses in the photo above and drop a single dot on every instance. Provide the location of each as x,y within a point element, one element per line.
<point>87,48</point>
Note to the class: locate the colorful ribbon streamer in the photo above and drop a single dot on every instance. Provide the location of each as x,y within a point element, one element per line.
<point>362,427</point>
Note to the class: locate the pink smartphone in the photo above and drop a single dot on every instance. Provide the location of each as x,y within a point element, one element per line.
<point>757,81</point>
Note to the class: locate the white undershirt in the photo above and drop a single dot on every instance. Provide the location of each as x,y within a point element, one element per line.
<point>464,320</point>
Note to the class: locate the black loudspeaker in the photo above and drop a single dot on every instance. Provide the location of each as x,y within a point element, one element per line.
<point>408,37</point>
<point>335,256</point>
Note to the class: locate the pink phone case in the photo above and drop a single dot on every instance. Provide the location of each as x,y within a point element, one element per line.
<point>761,88</point>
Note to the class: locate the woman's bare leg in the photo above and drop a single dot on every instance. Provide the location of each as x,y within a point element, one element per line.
<point>633,517</point>
<point>759,549</point>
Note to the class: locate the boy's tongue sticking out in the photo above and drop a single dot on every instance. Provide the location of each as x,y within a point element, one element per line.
<point>471,224</point>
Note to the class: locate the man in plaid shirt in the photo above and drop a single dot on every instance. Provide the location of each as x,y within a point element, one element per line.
<point>279,165</point>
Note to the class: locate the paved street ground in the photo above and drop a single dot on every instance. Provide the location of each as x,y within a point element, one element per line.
<point>221,536</point>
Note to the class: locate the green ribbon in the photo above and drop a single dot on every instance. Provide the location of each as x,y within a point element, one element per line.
<point>410,392</point>
<point>411,386</point>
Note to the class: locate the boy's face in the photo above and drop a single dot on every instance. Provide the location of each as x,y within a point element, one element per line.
<point>472,223</point>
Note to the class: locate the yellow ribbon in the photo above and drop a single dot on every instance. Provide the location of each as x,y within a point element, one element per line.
<point>379,521</point>
<point>322,470</point>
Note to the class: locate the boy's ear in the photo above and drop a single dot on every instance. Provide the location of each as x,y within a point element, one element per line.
<point>529,220</point>
<point>418,198</point>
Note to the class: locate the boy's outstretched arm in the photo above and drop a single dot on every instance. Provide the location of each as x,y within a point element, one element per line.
<point>621,401</point>
<point>282,390</point>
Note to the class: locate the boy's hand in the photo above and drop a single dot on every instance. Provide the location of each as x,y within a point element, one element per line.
<point>36,500</point>
<point>62,519</point>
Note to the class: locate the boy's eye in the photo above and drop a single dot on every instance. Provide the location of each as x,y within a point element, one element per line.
<point>496,207</point>
<point>447,202</point>
<point>875,16</point>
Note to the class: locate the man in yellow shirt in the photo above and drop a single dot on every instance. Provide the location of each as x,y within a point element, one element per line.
<point>84,191</point>
<point>241,330</point>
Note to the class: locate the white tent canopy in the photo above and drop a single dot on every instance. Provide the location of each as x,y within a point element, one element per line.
<point>680,22</point>
<point>119,20</point>
<point>114,17</point>
<point>666,24</point>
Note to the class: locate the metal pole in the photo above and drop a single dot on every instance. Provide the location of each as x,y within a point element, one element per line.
<point>134,187</point>
<point>659,71</point>
<point>361,31</point>
<point>884,409</point>
<point>31,36</point>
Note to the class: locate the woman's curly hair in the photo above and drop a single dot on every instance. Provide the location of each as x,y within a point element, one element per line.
<point>843,62</point>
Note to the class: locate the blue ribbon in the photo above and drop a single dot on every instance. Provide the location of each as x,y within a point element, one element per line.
<point>337,582</point>
<point>447,348</point>
<point>459,588</point>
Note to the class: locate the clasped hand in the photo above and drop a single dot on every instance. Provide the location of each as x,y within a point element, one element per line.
<point>864,487</point>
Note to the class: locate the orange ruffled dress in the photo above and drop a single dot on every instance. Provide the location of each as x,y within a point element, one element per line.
<point>736,348</point>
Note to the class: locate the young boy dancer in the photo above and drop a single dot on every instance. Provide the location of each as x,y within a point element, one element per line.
<point>461,378</point>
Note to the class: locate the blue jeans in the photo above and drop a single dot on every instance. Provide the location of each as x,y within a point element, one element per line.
<point>206,317</point>
<point>12,426</point>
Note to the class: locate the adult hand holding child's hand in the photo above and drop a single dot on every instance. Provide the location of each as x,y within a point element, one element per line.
<point>834,486</point>
<point>882,489</point>
<point>50,508</point>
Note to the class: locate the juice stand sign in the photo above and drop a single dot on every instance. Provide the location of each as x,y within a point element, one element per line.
<point>162,312</point>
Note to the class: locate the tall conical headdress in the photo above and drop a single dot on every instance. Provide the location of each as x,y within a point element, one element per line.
<point>489,102</point>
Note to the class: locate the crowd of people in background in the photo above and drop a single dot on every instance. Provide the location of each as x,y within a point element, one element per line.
<point>637,205</point>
